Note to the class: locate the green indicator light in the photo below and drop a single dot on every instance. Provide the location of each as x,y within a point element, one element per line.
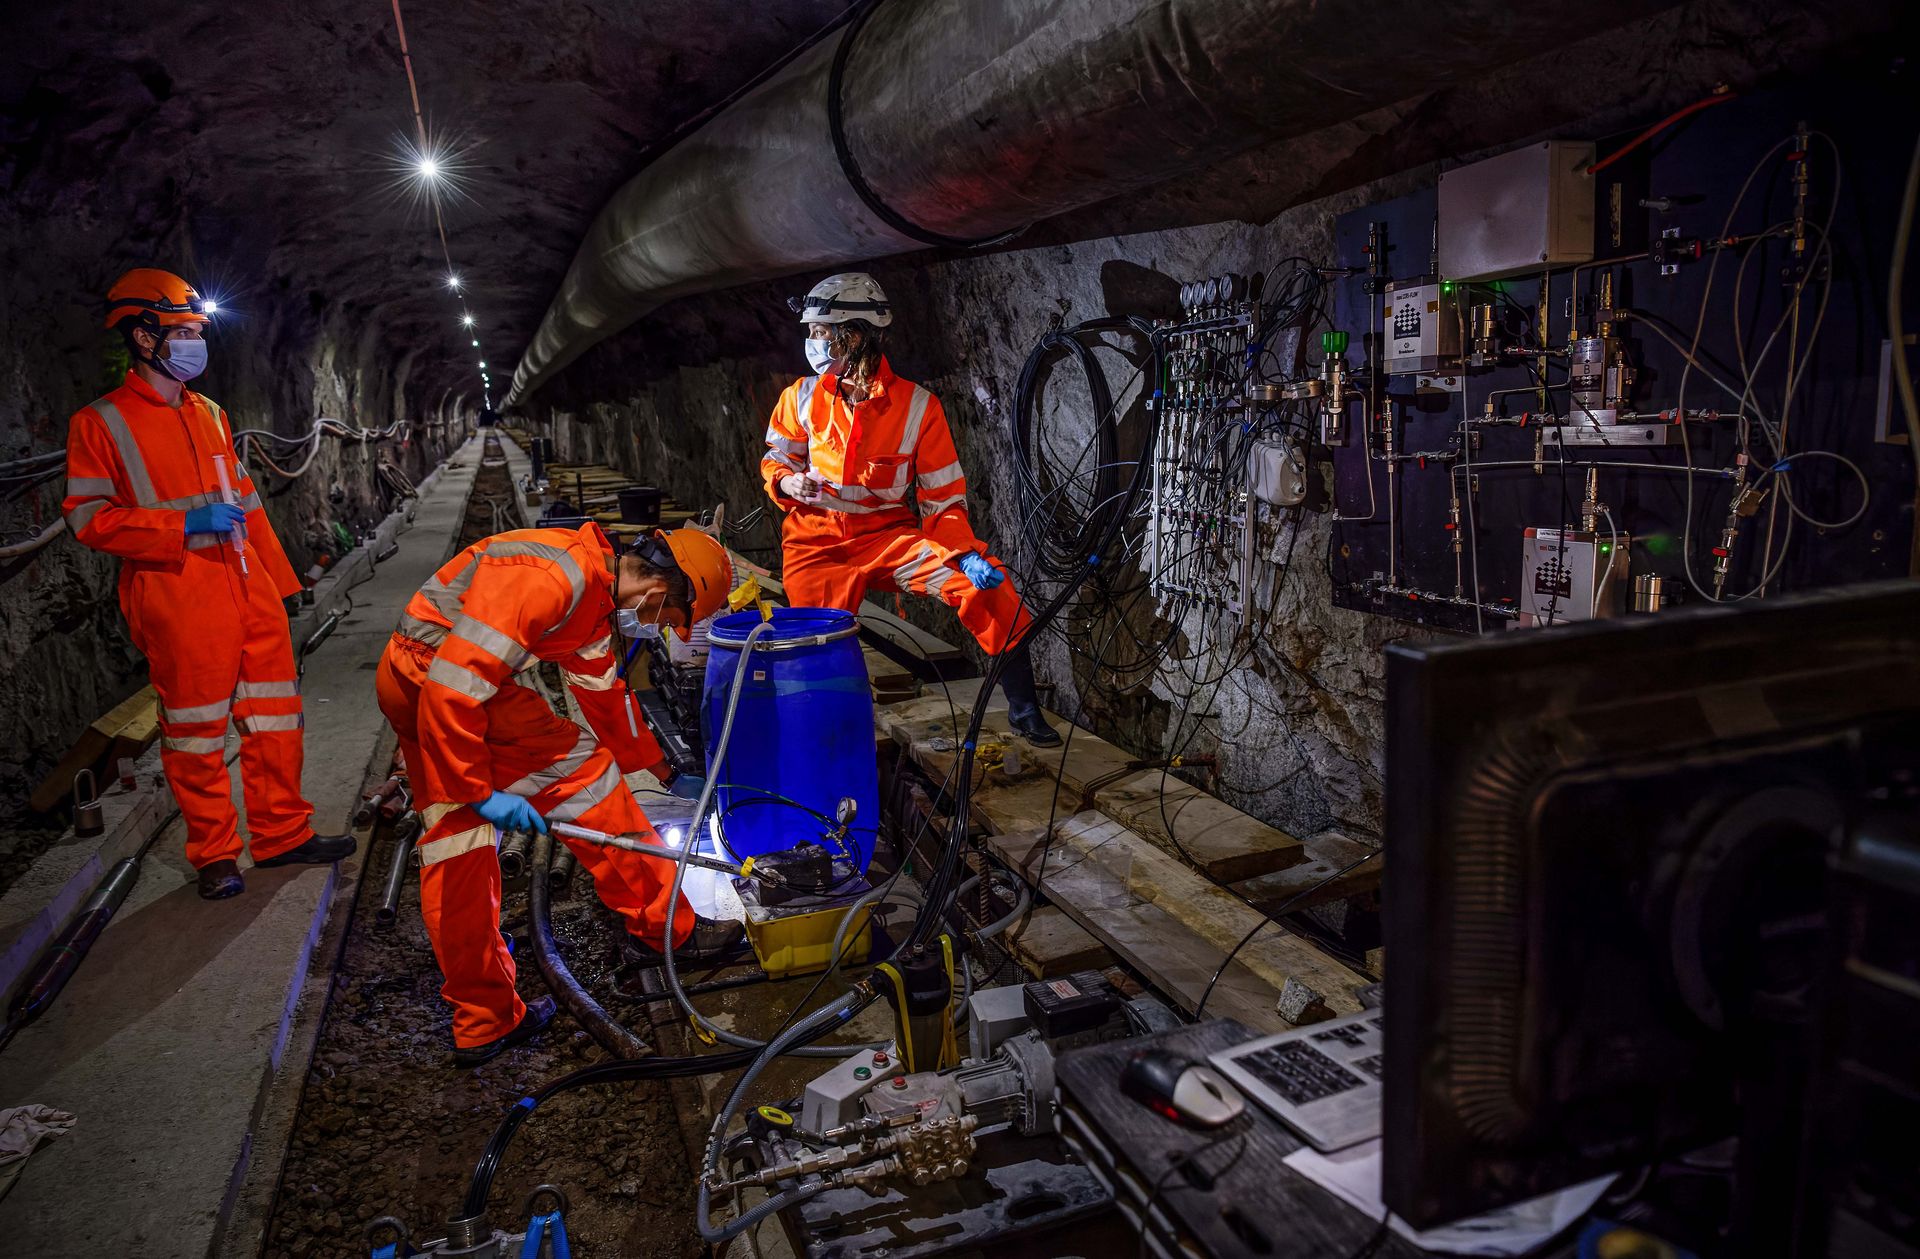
<point>1447,287</point>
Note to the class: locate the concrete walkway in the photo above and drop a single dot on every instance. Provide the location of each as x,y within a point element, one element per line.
<point>170,1041</point>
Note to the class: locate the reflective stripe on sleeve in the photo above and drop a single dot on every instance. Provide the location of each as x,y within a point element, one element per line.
<point>938,578</point>
<point>130,457</point>
<point>465,681</point>
<point>942,476</point>
<point>595,650</point>
<point>81,486</point>
<point>916,416</point>
<point>81,516</point>
<point>933,507</point>
<point>502,647</point>
<point>194,746</point>
<point>421,631</point>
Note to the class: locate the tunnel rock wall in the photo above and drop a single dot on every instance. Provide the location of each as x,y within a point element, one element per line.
<point>1297,726</point>
<point>1294,715</point>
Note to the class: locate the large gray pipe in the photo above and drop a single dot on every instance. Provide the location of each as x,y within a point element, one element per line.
<point>976,117</point>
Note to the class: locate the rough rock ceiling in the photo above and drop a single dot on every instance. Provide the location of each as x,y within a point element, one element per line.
<point>268,133</point>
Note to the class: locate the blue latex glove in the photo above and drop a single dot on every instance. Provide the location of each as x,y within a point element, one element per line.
<point>980,572</point>
<point>510,813</point>
<point>215,518</point>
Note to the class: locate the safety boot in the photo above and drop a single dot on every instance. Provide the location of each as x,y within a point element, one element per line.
<point>712,940</point>
<point>1023,703</point>
<point>532,1023</point>
<point>318,850</point>
<point>220,879</point>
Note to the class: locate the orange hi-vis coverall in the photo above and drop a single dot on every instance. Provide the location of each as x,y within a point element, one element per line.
<point>215,638</point>
<point>861,533</point>
<point>451,684</point>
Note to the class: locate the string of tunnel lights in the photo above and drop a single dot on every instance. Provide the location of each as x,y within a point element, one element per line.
<point>434,171</point>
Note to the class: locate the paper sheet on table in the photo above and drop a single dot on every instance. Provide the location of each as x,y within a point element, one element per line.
<point>1353,1176</point>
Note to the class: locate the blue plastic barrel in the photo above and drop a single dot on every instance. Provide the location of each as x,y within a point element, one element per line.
<point>804,731</point>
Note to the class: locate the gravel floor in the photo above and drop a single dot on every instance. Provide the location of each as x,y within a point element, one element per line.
<point>387,1126</point>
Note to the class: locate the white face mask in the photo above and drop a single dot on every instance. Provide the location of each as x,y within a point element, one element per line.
<point>185,359</point>
<point>820,358</point>
<point>628,622</point>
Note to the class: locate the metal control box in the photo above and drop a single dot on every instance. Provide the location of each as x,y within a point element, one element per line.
<point>1578,578</point>
<point>1517,212</point>
<point>1423,327</point>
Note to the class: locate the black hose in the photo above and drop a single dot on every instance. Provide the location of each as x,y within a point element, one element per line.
<point>481,1185</point>
<point>600,1025</point>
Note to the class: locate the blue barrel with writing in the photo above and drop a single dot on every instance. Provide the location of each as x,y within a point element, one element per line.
<point>803,735</point>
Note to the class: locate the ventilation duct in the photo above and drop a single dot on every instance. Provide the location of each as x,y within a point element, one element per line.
<point>973,118</point>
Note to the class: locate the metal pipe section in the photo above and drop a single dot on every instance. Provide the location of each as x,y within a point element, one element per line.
<point>513,854</point>
<point>973,118</point>
<point>406,835</point>
<point>560,873</point>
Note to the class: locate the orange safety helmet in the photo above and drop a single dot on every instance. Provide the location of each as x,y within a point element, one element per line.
<point>157,298</point>
<point>708,567</point>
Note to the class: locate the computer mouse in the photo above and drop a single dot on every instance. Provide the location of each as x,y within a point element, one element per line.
<point>1178,1088</point>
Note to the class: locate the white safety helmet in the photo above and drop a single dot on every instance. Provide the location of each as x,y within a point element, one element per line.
<point>839,298</point>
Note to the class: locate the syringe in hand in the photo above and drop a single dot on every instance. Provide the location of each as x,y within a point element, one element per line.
<point>239,534</point>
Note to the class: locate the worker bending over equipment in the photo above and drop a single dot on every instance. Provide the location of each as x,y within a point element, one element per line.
<point>153,477</point>
<point>844,446</point>
<point>486,751</point>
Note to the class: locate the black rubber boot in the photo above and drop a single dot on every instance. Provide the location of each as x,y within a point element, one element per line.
<point>319,850</point>
<point>532,1023</point>
<point>712,939</point>
<point>219,880</point>
<point>1023,703</point>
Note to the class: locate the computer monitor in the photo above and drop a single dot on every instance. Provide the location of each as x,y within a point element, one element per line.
<point>1606,901</point>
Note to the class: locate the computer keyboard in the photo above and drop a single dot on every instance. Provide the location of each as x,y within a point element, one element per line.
<point>1322,1081</point>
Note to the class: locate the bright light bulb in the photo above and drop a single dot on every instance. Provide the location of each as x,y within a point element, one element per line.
<point>476,344</point>
<point>208,306</point>
<point>429,169</point>
<point>468,320</point>
<point>672,837</point>
<point>483,364</point>
<point>453,282</point>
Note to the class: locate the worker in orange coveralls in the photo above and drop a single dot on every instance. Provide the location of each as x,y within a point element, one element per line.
<point>486,752</point>
<point>201,583</point>
<point>843,448</point>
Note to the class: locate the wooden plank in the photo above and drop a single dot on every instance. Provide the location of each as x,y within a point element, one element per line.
<point>1214,837</point>
<point>1313,881</point>
<point>87,752</point>
<point>1050,943</point>
<point>1173,926</point>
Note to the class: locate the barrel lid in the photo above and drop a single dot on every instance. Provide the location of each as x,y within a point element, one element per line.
<point>792,627</point>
